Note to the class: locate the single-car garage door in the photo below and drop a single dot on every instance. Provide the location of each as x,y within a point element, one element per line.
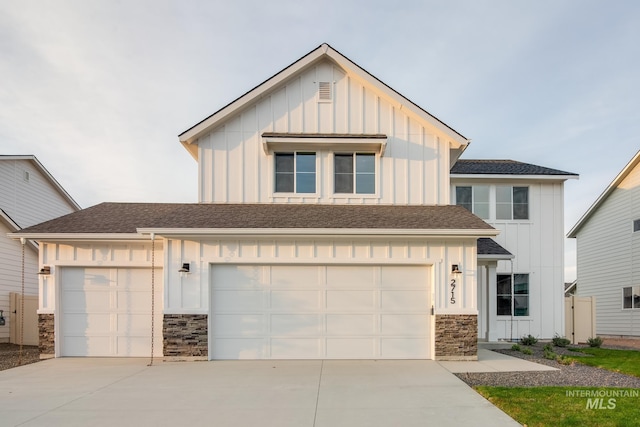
<point>320,312</point>
<point>106,312</point>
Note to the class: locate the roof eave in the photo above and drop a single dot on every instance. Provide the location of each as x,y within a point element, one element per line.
<point>57,237</point>
<point>513,176</point>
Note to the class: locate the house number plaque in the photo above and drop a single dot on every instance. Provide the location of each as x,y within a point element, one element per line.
<point>453,288</point>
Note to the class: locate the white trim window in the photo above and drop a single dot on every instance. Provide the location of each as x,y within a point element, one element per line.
<point>512,202</point>
<point>631,297</point>
<point>354,173</point>
<point>475,199</point>
<point>295,172</point>
<point>636,225</point>
<point>516,296</point>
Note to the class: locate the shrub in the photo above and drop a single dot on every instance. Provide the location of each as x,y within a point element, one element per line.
<point>564,360</point>
<point>559,341</point>
<point>527,351</point>
<point>548,347</point>
<point>515,347</point>
<point>528,340</point>
<point>594,342</point>
<point>549,354</point>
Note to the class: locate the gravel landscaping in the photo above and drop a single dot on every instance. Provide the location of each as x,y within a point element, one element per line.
<point>568,375</point>
<point>10,355</point>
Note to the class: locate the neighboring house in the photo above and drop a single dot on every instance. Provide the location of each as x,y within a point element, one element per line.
<point>608,254</point>
<point>28,195</point>
<point>325,229</point>
<point>521,295</point>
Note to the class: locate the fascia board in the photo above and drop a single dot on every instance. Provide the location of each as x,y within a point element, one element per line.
<point>513,177</point>
<point>614,184</point>
<point>191,232</point>
<point>488,257</point>
<point>57,237</point>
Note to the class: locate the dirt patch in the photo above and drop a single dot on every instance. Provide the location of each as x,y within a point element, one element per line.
<point>10,356</point>
<point>625,343</point>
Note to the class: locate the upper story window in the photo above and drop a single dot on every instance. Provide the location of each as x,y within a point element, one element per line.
<point>512,202</point>
<point>636,225</point>
<point>354,173</point>
<point>474,199</point>
<point>295,172</point>
<point>631,297</point>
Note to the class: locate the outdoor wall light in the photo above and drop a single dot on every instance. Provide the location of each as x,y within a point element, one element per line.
<point>186,268</point>
<point>45,270</point>
<point>455,269</point>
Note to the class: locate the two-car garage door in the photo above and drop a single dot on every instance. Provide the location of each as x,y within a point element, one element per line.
<point>320,312</point>
<point>106,312</point>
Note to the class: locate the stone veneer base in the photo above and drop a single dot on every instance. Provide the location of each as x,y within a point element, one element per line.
<point>185,337</point>
<point>456,337</point>
<point>47,338</point>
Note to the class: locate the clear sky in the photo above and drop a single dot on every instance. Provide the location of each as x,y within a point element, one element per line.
<point>99,90</point>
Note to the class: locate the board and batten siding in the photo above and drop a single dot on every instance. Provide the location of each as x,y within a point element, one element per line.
<point>608,257</point>
<point>190,293</point>
<point>233,167</point>
<point>95,254</point>
<point>29,201</point>
<point>538,248</point>
<point>11,273</point>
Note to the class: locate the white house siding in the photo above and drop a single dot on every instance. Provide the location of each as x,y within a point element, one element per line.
<point>233,167</point>
<point>31,201</point>
<point>189,294</point>
<point>11,273</point>
<point>609,257</point>
<point>538,248</point>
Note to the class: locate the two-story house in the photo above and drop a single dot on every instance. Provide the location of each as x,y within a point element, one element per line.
<point>324,229</point>
<point>608,254</point>
<point>29,194</point>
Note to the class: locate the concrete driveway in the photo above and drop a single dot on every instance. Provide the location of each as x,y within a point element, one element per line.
<point>126,392</point>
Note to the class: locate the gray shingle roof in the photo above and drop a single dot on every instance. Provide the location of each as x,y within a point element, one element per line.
<point>128,217</point>
<point>487,246</point>
<point>502,167</point>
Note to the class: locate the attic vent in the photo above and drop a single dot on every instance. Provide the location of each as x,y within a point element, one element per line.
<point>324,91</point>
<point>26,176</point>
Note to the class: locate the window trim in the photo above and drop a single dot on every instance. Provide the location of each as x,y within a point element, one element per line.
<point>354,153</point>
<point>511,203</point>
<point>632,295</point>
<point>295,174</point>
<point>474,202</point>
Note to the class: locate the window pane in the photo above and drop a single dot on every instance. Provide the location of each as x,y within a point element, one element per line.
<point>503,194</point>
<point>520,283</point>
<point>504,306</point>
<point>481,201</point>
<point>636,297</point>
<point>503,211</point>
<point>463,197</point>
<point>521,305</point>
<point>305,182</point>
<point>365,183</point>
<point>636,225</point>
<point>284,162</point>
<point>520,202</point>
<point>482,210</point>
<point>343,163</point>
<point>306,162</point>
<point>343,183</point>
<point>626,298</point>
<point>504,284</point>
<point>284,182</point>
<point>365,163</point>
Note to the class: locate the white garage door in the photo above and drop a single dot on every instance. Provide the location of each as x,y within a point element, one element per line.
<point>106,312</point>
<point>320,312</point>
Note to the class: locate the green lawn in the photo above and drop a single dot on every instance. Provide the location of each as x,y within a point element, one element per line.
<point>623,361</point>
<point>566,406</point>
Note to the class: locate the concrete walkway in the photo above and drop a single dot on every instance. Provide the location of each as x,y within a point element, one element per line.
<point>126,392</point>
<point>490,361</point>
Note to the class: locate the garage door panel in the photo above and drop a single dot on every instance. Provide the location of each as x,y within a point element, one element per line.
<point>350,348</point>
<point>300,300</point>
<point>302,348</point>
<point>295,324</point>
<point>235,300</point>
<point>351,324</point>
<point>350,300</point>
<point>404,324</point>
<point>317,312</point>
<point>350,277</point>
<point>238,325</point>
<point>403,301</point>
<point>239,348</point>
<point>106,312</point>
